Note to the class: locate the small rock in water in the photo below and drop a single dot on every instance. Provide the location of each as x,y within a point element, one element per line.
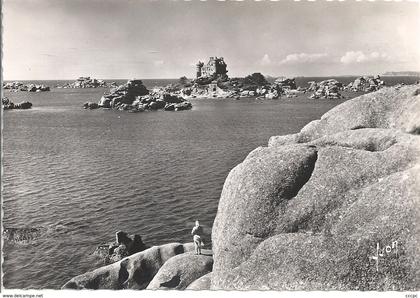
<point>22,235</point>
<point>91,105</point>
<point>7,104</point>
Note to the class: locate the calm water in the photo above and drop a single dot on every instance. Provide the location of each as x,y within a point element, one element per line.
<point>85,174</point>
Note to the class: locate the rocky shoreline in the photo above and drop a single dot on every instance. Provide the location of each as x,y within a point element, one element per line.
<point>169,266</point>
<point>333,207</point>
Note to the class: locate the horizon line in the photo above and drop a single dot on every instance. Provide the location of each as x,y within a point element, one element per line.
<point>176,78</point>
<point>414,73</point>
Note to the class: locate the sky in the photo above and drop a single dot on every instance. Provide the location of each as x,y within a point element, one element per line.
<point>110,39</point>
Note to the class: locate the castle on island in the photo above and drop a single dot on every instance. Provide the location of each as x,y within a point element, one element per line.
<point>215,67</point>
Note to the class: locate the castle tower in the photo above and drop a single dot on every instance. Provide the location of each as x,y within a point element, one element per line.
<point>198,69</point>
<point>215,68</point>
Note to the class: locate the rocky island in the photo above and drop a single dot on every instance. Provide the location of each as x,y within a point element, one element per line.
<point>332,207</point>
<point>212,81</point>
<point>133,96</point>
<point>88,82</point>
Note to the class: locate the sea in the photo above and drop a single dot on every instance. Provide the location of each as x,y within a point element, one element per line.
<point>82,175</point>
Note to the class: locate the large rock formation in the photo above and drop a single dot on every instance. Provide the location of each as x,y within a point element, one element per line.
<point>123,94</point>
<point>133,272</point>
<point>333,207</point>
<point>135,97</point>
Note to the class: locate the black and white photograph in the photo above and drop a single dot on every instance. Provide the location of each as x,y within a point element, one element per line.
<point>167,146</point>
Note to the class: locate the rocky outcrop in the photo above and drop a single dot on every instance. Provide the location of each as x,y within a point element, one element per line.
<point>18,86</point>
<point>126,93</point>
<point>88,82</point>
<point>286,83</point>
<point>180,271</point>
<point>133,272</point>
<point>328,89</point>
<point>135,97</point>
<point>333,207</point>
<point>211,90</point>
<point>7,104</point>
<point>124,245</point>
<point>387,108</point>
<point>252,86</point>
<point>366,84</point>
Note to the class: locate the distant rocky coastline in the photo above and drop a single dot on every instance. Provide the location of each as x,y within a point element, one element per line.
<point>19,86</point>
<point>338,199</point>
<point>212,81</point>
<point>7,104</point>
<point>133,96</point>
<point>256,86</point>
<point>402,73</point>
